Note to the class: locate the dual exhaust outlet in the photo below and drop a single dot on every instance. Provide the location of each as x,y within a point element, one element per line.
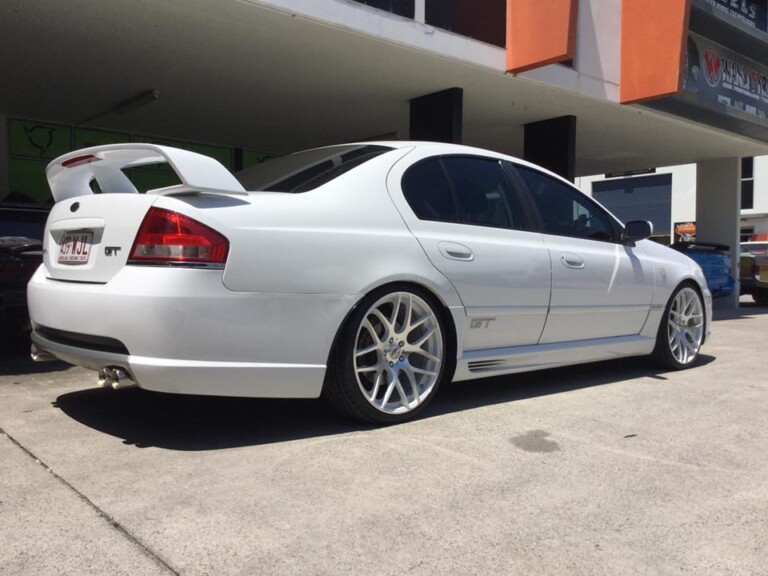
<point>114,376</point>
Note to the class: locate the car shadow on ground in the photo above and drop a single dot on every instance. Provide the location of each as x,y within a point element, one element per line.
<point>199,423</point>
<point>747,309</point>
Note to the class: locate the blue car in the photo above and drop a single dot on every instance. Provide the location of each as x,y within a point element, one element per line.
<point>715,261</point>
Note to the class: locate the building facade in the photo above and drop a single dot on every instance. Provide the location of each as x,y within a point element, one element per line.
<point>583,87</point>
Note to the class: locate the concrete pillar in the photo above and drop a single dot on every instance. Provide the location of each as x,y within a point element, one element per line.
<point>552,144</point>
<point>438,117</point>
<point>718,206</point>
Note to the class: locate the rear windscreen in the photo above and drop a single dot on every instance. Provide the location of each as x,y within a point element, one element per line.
<point>307,170</point>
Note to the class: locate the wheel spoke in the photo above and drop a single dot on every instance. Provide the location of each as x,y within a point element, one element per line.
<point>388,392</point>
<point>395,310</point>
<point>407,315</point>
<point>403,396</point>
<point>426,354</point>
<point>417,370</point>
<point>367,350</point>
<point>376,385</point>
<point>418,323</point>
<point>420,342</point>
<point>414,387</point>
<point>384,322</point>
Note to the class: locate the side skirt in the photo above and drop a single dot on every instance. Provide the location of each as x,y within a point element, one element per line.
<point>498,361</point>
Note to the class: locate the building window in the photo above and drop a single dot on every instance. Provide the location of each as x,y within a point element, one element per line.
<point>484,20</point>
<point>747,183</point>
<point>746,233</point>
<point>403,8</point>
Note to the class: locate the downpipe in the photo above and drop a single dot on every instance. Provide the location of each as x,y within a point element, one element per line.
<point>115,377</point>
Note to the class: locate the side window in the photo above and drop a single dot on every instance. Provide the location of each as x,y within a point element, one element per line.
<point>564,210</point>
<point>428,192</point>
<point>483,192</point>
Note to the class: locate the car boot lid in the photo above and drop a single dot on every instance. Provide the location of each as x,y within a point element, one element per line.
<point>70,175</point>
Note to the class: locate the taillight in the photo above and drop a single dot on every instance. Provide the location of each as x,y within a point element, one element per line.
<point>167,237</point>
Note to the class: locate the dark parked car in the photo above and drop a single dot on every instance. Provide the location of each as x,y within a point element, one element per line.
<point>19,258</point>
<point>21,234</point>
<point>715,261</point>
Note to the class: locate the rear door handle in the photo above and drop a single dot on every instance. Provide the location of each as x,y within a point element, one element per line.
<point>454,251</point>
<point>572,261</point>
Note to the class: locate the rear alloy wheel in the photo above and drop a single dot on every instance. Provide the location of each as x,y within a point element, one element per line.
<point>681,332</point>
<point>391,357</point>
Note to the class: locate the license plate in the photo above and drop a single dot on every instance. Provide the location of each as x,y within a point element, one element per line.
<point>75,248</point>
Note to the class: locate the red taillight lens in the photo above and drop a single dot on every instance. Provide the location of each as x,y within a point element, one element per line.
<point>169,237</point>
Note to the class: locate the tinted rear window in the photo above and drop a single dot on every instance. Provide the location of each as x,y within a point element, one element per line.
<point>304,171</point>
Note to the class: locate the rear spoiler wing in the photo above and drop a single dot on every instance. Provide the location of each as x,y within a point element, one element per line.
<point>70,175</point>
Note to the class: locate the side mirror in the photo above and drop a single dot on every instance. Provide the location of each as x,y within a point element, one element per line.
<point>636,230</point>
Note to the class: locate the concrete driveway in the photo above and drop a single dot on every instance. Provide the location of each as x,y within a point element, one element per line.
<point>605,469</point>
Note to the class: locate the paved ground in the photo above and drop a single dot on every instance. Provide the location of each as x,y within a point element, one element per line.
<point>611,469</point>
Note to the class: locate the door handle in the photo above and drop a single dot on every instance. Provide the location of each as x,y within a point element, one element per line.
<point>572,261</point>
<point>454,251</point>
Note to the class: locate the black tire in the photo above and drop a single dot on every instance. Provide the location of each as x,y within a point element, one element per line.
<point>358,378</point>
<point>760,296</point>
<point>680,335</point>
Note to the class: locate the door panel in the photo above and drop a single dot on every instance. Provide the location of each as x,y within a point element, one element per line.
<point>600,289</point>
<point>608,294</point>
<point>464,213</point>
<point>504,286</point>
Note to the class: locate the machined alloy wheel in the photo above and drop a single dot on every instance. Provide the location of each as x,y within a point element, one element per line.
<point>391,357</point>
<point>682,329</point>
<point>398,353</point>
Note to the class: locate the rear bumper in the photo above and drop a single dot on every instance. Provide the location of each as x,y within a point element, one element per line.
<point>247,379</point>
<point>182,331</point>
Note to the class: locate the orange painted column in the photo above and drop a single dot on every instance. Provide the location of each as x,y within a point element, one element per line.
<point>540,32</point>
<point>654,34</point>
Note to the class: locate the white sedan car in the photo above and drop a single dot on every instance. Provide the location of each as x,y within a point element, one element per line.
<point>367,273</point>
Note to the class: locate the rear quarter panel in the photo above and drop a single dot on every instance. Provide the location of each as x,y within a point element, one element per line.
<point>345,238</point>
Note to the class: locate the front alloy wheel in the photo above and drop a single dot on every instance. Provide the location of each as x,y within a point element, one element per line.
<point>391,358</point>
<point>682,329</point>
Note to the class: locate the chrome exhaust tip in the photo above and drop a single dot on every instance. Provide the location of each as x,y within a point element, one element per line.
<point>104,377</point>
<point>115,377</point>
<point>39,355</point>
<point>121,379</point>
